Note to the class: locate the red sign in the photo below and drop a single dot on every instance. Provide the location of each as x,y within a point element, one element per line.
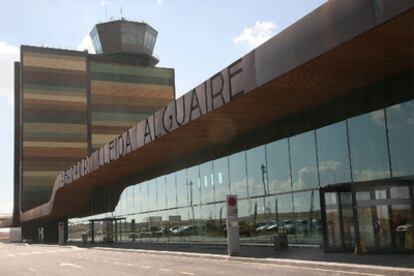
<point>232,201</point>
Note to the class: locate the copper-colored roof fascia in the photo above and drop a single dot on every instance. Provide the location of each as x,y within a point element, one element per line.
<point>339,48</point>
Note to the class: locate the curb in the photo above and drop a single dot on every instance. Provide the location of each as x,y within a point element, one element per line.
<point>368,270</point>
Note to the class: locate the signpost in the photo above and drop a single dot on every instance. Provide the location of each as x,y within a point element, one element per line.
<point>233,245</point>
<point>61,233</point>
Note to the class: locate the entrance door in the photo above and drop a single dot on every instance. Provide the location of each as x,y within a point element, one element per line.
<point>375,216</point>
<point>338,218</point>
<point>385,218</point>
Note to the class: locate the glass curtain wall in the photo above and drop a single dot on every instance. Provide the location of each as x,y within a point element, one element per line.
<point>277,183</point>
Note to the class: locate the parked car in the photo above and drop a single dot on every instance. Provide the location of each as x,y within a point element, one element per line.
<point>405,228</point>
<point>288,226</point>
<point>184,230</point>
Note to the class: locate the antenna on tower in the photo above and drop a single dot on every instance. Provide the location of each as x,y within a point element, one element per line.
<point>120,11</point>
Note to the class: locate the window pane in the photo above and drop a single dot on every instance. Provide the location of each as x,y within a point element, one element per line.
<point>130,200</point>
<point>161,193</point>
<point>194,185</point>
<point>137,197</point>
<point>333,155</point>
<point>281,209</point>
<point>182,195</point>
<point>303,158</point>
<point>244,220</point>
<point>256,171</point>
<point>220,216</point>
<point>259,216</point>
<point>171,191</point>
<point>207,182</point>
<point>152,195</point>
<point>369,155</point>
<point>144,196</point>
<point>238,174</point>
<point>400,119</point>
<point>221,178</point>
<point>278,166</point>
<point>307,225</point>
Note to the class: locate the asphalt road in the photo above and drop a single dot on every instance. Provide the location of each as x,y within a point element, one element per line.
<point>22,259</point>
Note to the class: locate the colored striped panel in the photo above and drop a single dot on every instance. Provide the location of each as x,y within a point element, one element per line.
<point>57,98</point>
<point>55,89</point>
<point>54,118</point>
<point>132,79</point>
<point>53,144</point>
<point>123,95</point>
<point>54,61</point>
<point>118,117</point>
<point>53,152</point>
<point>103,138</point>
<point>54,77</point>
<point>135,90</point>
<point>121,69</point>
<point>55,127</point>
<point>61,116</point>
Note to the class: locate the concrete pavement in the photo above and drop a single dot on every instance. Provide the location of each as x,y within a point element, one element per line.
<point>21,259</point>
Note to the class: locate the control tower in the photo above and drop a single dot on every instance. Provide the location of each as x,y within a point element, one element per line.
<point>125,39</point>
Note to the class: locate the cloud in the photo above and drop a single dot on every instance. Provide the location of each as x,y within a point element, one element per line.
<point>378,117</point>
<point>86,44</point>
<point>256,35</point>
<point>159,2</point>
<point>6,207</point>
<point>8,55</point>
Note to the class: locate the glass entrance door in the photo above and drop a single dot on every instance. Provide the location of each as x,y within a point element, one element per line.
<point>369,217</point>
<point>385,218</point>
<point>339,229</point>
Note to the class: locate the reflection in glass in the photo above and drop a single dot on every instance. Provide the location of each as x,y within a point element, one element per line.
<point>137,197</point>
<point>348,219</point>
<point>333,220</point>
<point>207,182</point>
<point>400,120</point>
<point>171,191</point>
<point>182,190</point>
<point>238,180</point>
<point>161,193</point>
<point>307,226</point>
<point>261,220</point>
<point>209,221</point>
<point>278,170</point>
<point>244,221</point>
<point>220,214</point>
<point>333,155</point>
<point>152,195</point>
<point>303,160</point>
<point>369,154</point>
<point>221,178</point>
<point>144,196</point>
<point>257,175</point>
<point>194,185</point>
<point>130,200</point>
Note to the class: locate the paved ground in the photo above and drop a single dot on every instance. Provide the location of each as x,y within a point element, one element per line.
<point>304,254</point>
<point>21,259</point>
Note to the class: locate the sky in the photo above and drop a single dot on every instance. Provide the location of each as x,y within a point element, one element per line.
<point>196,38</point>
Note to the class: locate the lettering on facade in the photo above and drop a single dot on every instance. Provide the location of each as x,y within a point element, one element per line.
<point>220,89</point>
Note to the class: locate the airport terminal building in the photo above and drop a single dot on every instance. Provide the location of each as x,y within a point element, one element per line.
<point>313,131</point>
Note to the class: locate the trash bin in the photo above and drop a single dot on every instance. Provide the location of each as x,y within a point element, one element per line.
<point>280,241</point>
<point>84,238</point>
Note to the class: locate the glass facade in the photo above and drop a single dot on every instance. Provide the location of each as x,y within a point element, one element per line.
<point>278,185</point>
